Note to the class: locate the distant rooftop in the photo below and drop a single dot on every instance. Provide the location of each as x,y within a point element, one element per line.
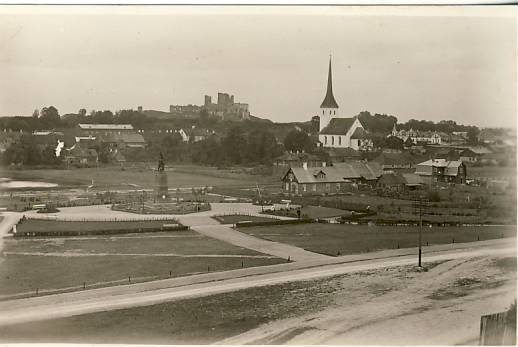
<point>106,126</point>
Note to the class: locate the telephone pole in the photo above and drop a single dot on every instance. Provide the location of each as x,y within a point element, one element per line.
<point>420,207</point>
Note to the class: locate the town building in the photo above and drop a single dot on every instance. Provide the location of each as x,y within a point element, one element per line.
<point>468,156</point>
<point>115,135</point>
<point>78,155</point>
<point>345,177</point>
<point>297,159</point>
<point>441,170</point>
<point>416,136</point>
<point>399,182</point>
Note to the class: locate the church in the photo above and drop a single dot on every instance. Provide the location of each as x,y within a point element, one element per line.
<point>336,131</point>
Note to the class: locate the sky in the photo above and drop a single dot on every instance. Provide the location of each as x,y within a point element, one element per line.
<point>429,63</point>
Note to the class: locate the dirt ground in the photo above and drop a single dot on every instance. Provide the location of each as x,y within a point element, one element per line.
<point>401,306</point>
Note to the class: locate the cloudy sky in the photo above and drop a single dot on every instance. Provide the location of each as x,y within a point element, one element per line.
<point>424,63</point>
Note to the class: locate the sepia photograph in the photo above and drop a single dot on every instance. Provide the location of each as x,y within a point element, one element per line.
<point>258,174</point>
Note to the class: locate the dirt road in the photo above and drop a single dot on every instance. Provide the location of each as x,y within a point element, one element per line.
<point>69,304</point>
<point>439,307</point>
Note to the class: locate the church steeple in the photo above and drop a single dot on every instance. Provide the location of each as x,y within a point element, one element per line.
<point>329,100</point>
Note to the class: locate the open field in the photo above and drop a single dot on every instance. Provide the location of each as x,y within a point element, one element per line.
<point>233,219</point>
<point>38,226</point>
<point>333,310</point>
<point>114,177</point>
<point>59,263</point>
<point>341,239</point>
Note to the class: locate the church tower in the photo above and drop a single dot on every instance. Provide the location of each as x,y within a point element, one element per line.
<point>329,107</point>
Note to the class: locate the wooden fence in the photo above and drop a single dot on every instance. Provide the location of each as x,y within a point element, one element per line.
<point>498,329</point>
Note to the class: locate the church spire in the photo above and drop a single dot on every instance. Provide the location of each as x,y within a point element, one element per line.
<point>329,100</point>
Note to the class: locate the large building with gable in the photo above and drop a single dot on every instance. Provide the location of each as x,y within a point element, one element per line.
<point>336,131</point>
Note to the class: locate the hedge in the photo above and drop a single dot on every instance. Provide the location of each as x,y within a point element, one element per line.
<point>275,222</point>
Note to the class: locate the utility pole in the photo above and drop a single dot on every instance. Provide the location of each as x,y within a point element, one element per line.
<point>420,206</point>
<point>260,198</point>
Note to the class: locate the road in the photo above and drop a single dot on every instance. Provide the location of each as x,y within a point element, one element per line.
<point>143,294</point>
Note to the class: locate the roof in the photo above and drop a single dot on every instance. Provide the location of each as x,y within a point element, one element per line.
<point>336,174</point>
<point>329,100</point>
<point>122,138</point>
<point>412,179</point>
<point>450,167</point>
<point>359,133</point>
<point>106,126</point>
<point>468,153</point>
<point>392,179</point>
<point>338,126</point>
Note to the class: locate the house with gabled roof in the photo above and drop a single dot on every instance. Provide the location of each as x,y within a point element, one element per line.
<point>328,180</point>
<point>442,170</point>
<point>336,131</point>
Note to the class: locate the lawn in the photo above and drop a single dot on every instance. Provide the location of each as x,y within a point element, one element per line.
<point>50,264</point>
<point>236,218</point>
<point>192,321</point>
<point>334,239</point>
<point>114,176</point>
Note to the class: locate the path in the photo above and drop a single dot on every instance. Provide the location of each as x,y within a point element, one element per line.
<point>143,294</point>
<point>207,227</point>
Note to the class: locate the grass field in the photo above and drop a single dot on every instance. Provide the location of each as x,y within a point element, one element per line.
<point>58,263</point>
<point>193,321</point>
<point>233,219</point>
<point>334,239</point>
<point>113,176</point>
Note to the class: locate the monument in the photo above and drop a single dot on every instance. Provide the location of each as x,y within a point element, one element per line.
<point>161,188</point>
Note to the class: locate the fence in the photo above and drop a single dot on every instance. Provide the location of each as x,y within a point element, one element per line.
<point>498,329</point>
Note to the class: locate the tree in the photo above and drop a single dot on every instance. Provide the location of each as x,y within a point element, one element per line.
<point>103,117</point>
<point>36,114</point>
<point>235,145</point>
<point>408,143</point>
<point>82,112</point>
<point>473,133</point>
<point>394,142</point>
<point>49,118</point>
<point>298,141</point>
<point>262,146</point>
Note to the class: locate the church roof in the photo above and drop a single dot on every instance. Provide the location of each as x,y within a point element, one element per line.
<point>338,126</point>
<point>329,100</point>
<point>359,133</point>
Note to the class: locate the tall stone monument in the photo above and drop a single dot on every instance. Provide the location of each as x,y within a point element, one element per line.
<point>161,188</point>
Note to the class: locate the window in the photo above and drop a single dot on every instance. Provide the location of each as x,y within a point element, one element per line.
<point>304,187</point>
<point>315,187</point>
<point>332,140</point>
<point>322,112</point>
<point>325,140</point>
<point>334,113</point>
<point>329,111</point>
<point>340,140</point>
<point>338,187</point>
<point>328,186</point>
